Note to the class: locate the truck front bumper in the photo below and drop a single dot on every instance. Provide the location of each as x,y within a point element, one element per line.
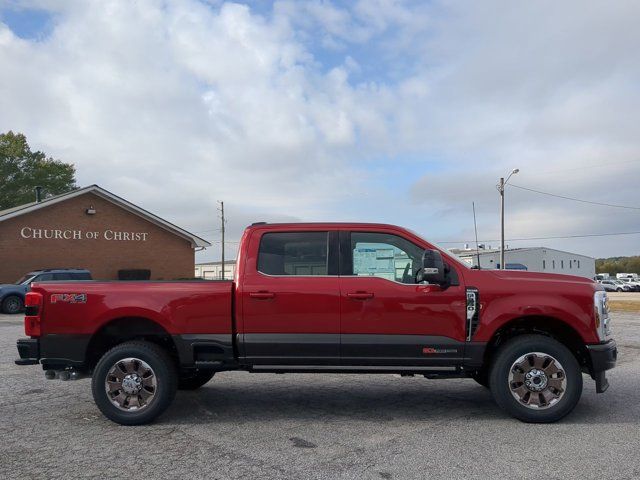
<point>29,351</point>
<point>603,357</point>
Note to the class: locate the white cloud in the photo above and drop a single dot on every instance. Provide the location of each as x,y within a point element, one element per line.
<point>382,110</point>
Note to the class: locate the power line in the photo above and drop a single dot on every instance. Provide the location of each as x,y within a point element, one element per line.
<point>574,199</point>
<point>546,238</point>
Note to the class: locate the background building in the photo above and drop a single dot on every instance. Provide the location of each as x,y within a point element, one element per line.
<point>94,229</point>
<point>213,270</point>
<point>534,259</point>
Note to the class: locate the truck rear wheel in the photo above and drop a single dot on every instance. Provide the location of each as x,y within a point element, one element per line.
<point>535,379</point>
<point>134,382</point>
<point>193,381</point>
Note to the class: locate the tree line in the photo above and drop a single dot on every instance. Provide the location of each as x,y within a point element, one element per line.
<point>615,265</point>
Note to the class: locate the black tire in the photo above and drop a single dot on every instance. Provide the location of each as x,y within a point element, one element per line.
<point>163,374</point>
<point>482,377</point>
<point>12,304</point>
<point>531,349</point>
<point>195,380</point>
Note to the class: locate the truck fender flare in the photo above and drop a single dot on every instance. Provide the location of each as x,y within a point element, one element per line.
<point>544,325</point>
<point>506,310</point>
<point>125,328</point>
<point>118,314</point>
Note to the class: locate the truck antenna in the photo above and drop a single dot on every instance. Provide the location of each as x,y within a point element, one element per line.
<point>475,227</point>
<point>222,242</point>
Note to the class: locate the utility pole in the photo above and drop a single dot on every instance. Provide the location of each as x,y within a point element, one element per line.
<point>500,187</point>
<point>222,230</point>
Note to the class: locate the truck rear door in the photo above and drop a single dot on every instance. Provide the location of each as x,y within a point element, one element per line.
<point>290,312</point>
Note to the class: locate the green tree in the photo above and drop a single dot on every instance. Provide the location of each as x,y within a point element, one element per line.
<point>615,265</point>
<point>21,170</point>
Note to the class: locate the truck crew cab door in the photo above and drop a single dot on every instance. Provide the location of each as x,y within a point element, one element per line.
<point>389,319</point>
<point>290,312</point>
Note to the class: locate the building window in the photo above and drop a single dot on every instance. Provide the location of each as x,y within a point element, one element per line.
<point>561,264</point>
<point>570,262</point>
<point>554,264</point>
<point>544,265</point>
<point>578,263</point>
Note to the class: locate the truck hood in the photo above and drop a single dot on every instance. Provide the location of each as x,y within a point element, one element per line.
<point>510,281</point>
<point>12,286</point>
<point>519,275</point>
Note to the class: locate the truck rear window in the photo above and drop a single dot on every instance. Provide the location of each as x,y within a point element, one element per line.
<point>293,253</point>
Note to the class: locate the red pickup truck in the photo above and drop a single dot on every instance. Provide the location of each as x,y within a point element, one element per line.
<point>327,297</point>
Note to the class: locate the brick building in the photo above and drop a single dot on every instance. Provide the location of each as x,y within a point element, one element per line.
<point>94,229</point>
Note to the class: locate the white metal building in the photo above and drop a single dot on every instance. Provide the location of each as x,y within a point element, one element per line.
<point>213,270</point>
<point>534,259</point>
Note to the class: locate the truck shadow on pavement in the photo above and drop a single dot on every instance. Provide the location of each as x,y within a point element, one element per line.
<point>379,401</point>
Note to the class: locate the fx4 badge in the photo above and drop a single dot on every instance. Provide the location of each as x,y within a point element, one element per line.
<point>69,298</point>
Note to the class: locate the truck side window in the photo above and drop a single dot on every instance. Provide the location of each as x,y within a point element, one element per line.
<point>386,256</point>
<point>293,253</point>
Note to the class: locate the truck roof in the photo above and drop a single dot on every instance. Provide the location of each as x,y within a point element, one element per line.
<point>325,224</point>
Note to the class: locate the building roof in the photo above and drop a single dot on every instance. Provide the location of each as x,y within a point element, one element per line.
<point>473,252</point>
<point>111,197</point>
<point>226,262</point>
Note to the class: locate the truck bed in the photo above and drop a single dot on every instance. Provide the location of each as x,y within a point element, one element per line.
<point>179,306</point>
<point>77,318</point>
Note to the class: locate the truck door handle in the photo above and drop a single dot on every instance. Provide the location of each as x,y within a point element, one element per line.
<point>262,295</point>
<point>360,295</point>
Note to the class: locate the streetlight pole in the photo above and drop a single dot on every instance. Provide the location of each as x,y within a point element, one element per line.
<point>501,185</point>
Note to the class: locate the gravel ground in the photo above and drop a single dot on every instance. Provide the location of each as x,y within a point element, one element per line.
<point>299,426</point>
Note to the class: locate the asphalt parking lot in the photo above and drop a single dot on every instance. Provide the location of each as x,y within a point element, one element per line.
<point>265,426</point>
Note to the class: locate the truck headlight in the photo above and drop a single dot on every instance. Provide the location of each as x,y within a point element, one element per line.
<point>601,311</point>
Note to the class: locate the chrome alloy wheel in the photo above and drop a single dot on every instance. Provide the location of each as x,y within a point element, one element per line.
<point>537,380</point>
<point>131,384</point>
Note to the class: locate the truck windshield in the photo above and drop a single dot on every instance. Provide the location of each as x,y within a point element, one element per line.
<point>25,279</point>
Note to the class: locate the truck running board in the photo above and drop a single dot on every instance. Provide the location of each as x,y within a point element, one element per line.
<point>426,370</point>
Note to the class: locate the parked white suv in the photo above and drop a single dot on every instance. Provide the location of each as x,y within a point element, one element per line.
<point>618,285</point>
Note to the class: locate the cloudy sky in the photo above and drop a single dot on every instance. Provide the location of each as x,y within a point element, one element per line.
<point>376,110</point>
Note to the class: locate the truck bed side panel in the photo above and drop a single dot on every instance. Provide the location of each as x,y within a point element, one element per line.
<point>179,307</point>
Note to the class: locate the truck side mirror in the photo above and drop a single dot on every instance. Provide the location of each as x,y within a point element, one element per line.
<point>432,270</point>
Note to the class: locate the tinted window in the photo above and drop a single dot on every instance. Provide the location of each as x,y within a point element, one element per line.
<point>293,253</point>
<point>45,277</point>
<point>81,276</point>
<point>386,256</point>
<point>62,276</point>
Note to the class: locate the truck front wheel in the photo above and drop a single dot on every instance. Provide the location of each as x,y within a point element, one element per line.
<point>134,382</point>
<point>535,379</point>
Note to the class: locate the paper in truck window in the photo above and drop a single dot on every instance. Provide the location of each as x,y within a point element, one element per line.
<point>369,260</point>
